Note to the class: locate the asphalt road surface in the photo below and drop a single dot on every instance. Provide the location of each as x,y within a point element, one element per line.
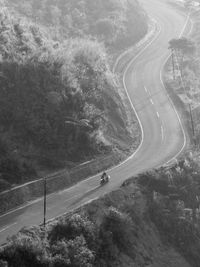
<point>163,136</point>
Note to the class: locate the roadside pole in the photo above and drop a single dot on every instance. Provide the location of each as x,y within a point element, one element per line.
<point>45,200</point>
<point>192,123</point>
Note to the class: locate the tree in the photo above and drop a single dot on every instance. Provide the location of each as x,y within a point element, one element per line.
<point>105,28</point>
<point>25,250</point>
<point>179,49</point>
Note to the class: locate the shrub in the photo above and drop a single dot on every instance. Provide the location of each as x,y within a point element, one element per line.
<point>72,227</point>
<point>79,254</point>
<point>115,235</point>
<point>23,251</point>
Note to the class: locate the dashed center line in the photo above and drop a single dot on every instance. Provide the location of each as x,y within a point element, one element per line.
<point>151,101</point>
<point>4,229</point>
<point>158,115</point>
<point>162,132</point>
<point>147,91</point>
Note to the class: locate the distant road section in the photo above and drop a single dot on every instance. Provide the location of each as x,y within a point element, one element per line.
<point>163,136</point>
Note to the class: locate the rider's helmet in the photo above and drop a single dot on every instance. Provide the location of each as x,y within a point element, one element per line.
<point>103,175</point>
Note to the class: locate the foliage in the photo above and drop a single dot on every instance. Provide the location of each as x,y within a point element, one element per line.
<point>175,207</point>
<point>72,253</point>
<point>31,248</point>
<point>43,85</point>
<point>120,228</point>
<point>24,250</point>
<point>179,49</point>
<point>73,241</point>
<point>115,235</point>
<point>117,23</point>
<point>57,90</point>
<point>182,45</point>
<point>76,225</point>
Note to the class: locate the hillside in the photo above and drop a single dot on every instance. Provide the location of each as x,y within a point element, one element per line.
<point>117,23</point>
<point>152,220</point>
<point>58,102</point>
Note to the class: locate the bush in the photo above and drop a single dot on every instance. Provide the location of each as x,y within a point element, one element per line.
<point>45,83</point>
<point>24,251</point>
<point>115,235</point>
<point>167,209</point>
<point>72,227</point>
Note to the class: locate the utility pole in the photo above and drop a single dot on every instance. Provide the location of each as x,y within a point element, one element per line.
<point>190,109</point>
<point>45,200</point>
<point>192,123</point>
<point>173,65</point>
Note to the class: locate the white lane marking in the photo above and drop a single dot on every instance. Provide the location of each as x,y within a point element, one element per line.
<point>148,92</point>
<point>85,163</point>
<point>185,25</point>
<point>162,132</point>
<point>124,83</point>
<point>151,101</point>
<point>7,227</point>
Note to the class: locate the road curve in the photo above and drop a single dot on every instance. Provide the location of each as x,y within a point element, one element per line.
<point>163,134</point>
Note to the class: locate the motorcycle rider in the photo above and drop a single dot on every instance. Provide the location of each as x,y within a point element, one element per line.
<point>104,176</point>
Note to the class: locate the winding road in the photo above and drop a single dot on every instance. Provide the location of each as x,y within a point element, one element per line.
<point>163,136</point>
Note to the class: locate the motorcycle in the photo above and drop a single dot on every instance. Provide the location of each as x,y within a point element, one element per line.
<point>104,179</point>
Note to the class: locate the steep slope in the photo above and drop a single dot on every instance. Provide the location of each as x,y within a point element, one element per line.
<point>55,101</point>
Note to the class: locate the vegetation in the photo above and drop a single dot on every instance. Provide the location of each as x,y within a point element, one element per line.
<point>119,229</point>
<point>43,84</point>
<point>57,95</point>
<point>117,23</point>
<point>179,49</point>
<point>75,241</point>
<point>173,205</point>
